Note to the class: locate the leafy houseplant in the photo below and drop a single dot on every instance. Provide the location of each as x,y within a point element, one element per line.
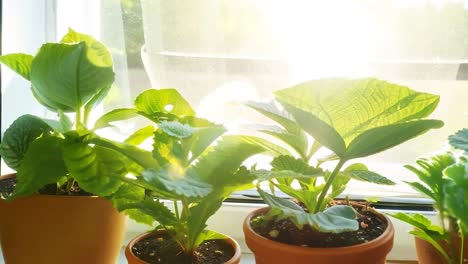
<point>443,179</point>
<point>353,119</point>
<point>64,161</point>
<point>191,175</point>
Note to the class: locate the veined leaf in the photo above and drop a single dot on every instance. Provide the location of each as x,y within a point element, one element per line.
<point>129,194</point>
<point>140,135</point>
<point>382,138</point>
<point>354,106</point>
<point>202,138</point>
<point>163,101</point>
<point>176,129</point>
<point>115,115</point>
<point>199,216</point>
<point>176,180</point>
<point>217,165</point>
<point>336,219</point>
<point>19,63</point>
<point>456,203</point>
<point>297,142</point>
<point>168,149</point>
<point>318,129</point>
<point>67,76</point>
<point>422,189</point>
<point>96,169</point>
<point>421,222</point>
<point>63,125</point>
<point>359,171</point>
<point>286,162</point>
<point>266,175</point>
<point>42,164</point>
<point>459,140</point>
<point>268,146</point>
<point>155,209</point>
<point>19,136</point>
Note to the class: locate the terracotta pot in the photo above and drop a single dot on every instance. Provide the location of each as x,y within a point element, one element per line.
<point>48,229</point>
<point>427,254</point>
<point>267,251</point>
<point>132,259</point>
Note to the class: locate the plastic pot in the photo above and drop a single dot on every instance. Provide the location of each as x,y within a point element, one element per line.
<point>132,259</point>
<point>49,229</point>
<point>267,251</point>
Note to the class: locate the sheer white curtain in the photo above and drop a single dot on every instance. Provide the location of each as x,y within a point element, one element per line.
<point>219,51</point>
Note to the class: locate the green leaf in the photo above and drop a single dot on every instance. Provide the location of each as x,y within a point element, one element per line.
<point>202,138</point>
<point>66,76</point>
<point>176,129</point>
<point>115,115</point>
<point>382,138</point>
<point>199,215</point>
<point>286,162</point>
<point>19,63</point>
<point>456,203</point>
<point>130,194</point>
<point>140,135</point>
<point>63,125</point>
<point>266,175</point>
<point>96,169</point>
<point>458,173</point>
<point>268,146</point>
<point>421,222</point>
<point>208,235</point>
<point>318,129</point>
<point>175,180</point>
<point>359,171</point>
<point>293,135</point>
<point>354,106</point>
<point>459,140</point>
<point>165,101</point>
<point>18,137</point>
<point>422,189</point>
<point>336,219</point>
<point>42,164</point>
<point>217,165</point>
<point>168,149</point>
<point>155,209</point>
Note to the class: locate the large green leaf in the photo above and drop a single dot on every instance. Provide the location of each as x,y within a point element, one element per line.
<point>176,129</point>
<point>421,222</point>
<point>155,209</point>
<point>336,219</point>
<point>115,115</point>
<point>130,194</point>
<point>293,136</point>
<point>202,138</point>
<point>63,125</point>
<point>19,63</point>
<point>42,164</point>
<point>96,169</point>
<point>359,171</point>
<point>208,235</point>
<point>456,203</point>
<point>18,137</point>
<point>317,128</point>
<point>286,162</point>
<point>382,138</point>
<point>354,106</point>
<point>199,215</point>
<point>217,165</point>
<point>269,147</point>
<point>176,180</point>
<point>66,76</point>
<point>140,135</point>
<point>459,140</point>
<point>163,101</point>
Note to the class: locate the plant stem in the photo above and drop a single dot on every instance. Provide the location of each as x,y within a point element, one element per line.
<point>313,149</point>
<point>453,234</point>
<point>176,209</point>
<point>328,184</point>
<point>462,245</point>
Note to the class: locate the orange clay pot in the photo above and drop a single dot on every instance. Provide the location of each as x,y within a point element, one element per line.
<point>48,229</point>
<point>267,251</point>
<point>427,254</point>
<point>132,259</point>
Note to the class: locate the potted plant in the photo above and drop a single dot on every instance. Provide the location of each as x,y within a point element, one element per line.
<point>53,208</point>
<point>443,178</point>
<point>189,184</point>
<point>353,119</point>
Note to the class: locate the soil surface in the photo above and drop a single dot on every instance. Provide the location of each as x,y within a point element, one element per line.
<point>162,249</point>
<point>8,185</point>
<point>285,231</point>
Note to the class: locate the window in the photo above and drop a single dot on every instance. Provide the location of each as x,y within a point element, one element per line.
<point>221,52</point>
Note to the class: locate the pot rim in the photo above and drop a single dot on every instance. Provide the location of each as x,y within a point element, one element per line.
<point>129,251</point>
<point>48,196</point>
<point>377,242</point>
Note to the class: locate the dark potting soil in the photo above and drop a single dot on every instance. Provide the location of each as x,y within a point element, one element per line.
<point>8,185</point>
<point>162,249</point>
<point>285,231</point>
